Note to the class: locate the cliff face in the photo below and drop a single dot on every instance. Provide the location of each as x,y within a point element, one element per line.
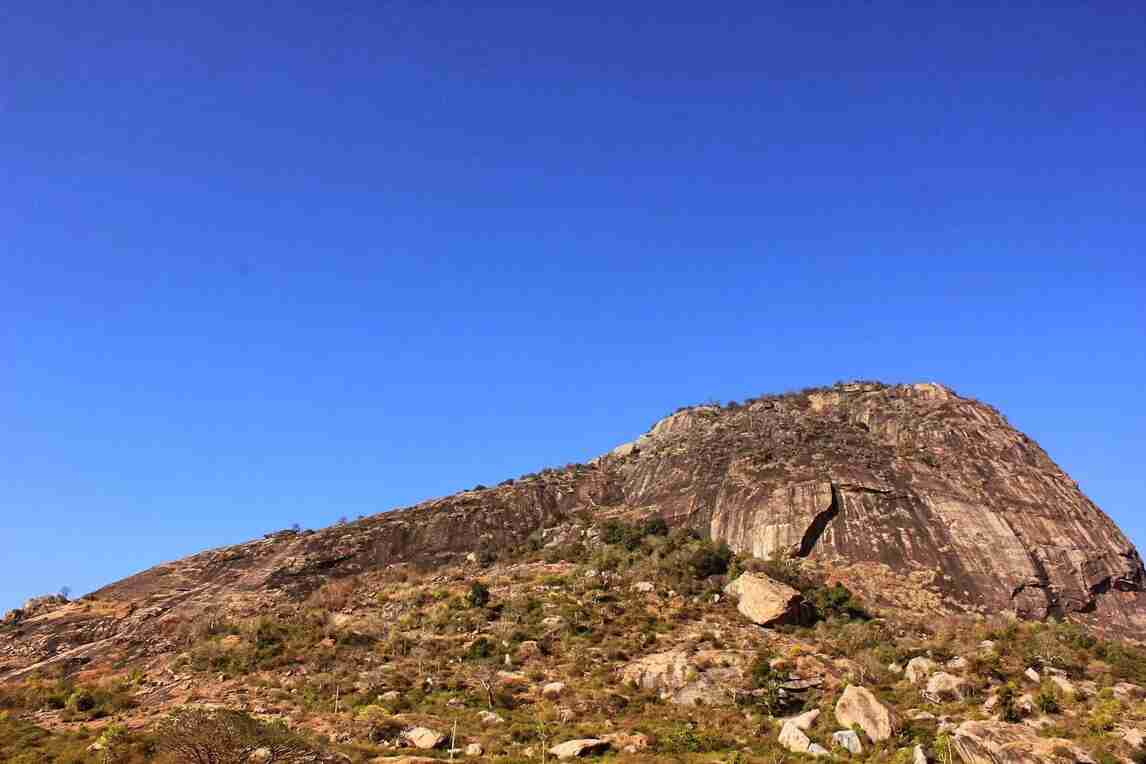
<point>910,493</point>
<point>917,498</point>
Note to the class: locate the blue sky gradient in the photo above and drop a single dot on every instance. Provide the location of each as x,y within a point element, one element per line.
<point>266,264</point>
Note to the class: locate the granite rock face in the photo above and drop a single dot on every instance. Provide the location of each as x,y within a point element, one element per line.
<point>1001,743</point>
<point>920,497</point>
<point>916,498</point>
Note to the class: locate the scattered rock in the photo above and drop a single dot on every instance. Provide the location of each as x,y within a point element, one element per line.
<point>644,587</point>
<point>958,663</point>
<point>918,756</point>
<point>767,602</point>
<point>423,737</point>
<point>390,696</point>
<point>918,669</point>
<point>993,742</point>
<point>859,706</point>
<point>848,740</point>
<point>805,720</point>
<point>895,668</point>
<point>942,686</point>
<point>474,749</point>
<point>489,717</point>
<point>1065,685</point>
<point>628,742</point>
<point>553,690</point>
<point>815,749</point>
<point>1127,691</point>
<point>573,749</point>
<point>528,650</point>
<point>793,738</point>
<point>1135,738</point>
<point>684,679</point>
<point>1032,676</point>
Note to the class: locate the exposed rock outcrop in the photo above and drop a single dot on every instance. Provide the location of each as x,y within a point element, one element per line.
<point>574,749</point>
<point>1002,743</point>
<point>858,706</point>
<point>686,679</point>
<point>914,497</point>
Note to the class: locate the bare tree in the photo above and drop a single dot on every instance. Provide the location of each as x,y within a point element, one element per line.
<point>484,676</point>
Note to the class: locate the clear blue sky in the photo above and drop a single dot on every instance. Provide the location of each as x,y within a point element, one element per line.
<point>275,263</point>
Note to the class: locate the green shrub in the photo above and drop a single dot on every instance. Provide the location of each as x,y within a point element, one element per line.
<point>708,561</point>
<point>82,701</point>
<point>1047,700</point>
<point>1008,711</point>
<point>478,595</point>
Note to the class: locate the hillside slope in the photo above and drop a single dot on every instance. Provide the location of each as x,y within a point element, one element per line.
<point>919,499</point>
<point>867,572</point>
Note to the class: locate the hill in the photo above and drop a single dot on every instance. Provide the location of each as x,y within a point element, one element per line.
<point>882,528</point>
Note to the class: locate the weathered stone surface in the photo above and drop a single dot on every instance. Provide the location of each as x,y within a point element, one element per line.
<point>793,738</point>
<point>995,742</point>
<point>684,679</point>
<point>815,749</point>
<point>474,749</point>
<point>767,602</point>
<point>1128,691</point>
<point>942,686</point>
<point>489,717</point>
<point>912,496</point>
<point>628,742</point>
<point>918,756</point>
<point>572,749</point>
<point>528,650</point>
<point>848,740</point>
<point>857,705</point>
<point>805,720</point>
<point>423,737</point>
<point>918,669</point>
<point>553,690</point>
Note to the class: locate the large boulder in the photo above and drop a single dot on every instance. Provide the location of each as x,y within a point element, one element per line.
<point>553,690</point>
<point>805,720</point>
<point>767,602</point>
<point>848,740</point>
<point>572,749</point>
<point>918,669</point>
<point>993,742</point>
<point>942,686</point>
<point>684,679</point>
<point>793,738</point>
<point>423,737</point>
<point>858,706</point>
<point>628,742</point>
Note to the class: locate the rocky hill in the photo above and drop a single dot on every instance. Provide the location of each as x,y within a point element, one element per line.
<point>926,507</point>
